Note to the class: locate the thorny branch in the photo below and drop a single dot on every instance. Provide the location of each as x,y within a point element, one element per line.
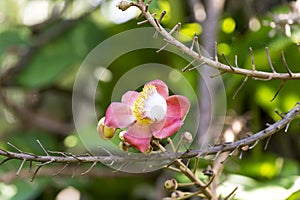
<point>61,157</point>
<point>226,68</point>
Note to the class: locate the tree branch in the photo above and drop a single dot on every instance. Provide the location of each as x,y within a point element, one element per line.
<point>255,74</point>
<point>226,147</point>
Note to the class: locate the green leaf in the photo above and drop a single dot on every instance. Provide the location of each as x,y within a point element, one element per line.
<point>53,60</point>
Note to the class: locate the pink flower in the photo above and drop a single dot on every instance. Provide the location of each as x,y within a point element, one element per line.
<point>152,112</point>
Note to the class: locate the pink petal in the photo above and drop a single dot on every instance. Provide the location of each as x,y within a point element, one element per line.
<point>177,106</point>
<point>130,97</point>
<point>161,87</point>
<point>171,125</point>
<point>118,115</point>
<point>139,136</point>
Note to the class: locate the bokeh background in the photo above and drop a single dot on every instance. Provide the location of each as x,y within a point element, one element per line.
<point>44,42</point>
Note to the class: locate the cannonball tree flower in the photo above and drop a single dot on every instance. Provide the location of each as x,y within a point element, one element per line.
<point>146,114</point>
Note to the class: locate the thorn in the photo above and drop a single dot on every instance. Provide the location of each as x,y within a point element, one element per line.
<point>193,42</point>
<point>287,127</point>
<point>35,172</point>
<point>210,181</point>
<point>5,160</point>
<point>269,60</point>
<point>176,27</point>
<point>162,16</point>
<point>30,166</point>
<point>253,145</point>
<point>219,74</point>
<point>20,168</point>
<point>263,79</point>
<point>230,154</point>
<point>74,172</point>
<point>62,169</point>
<point>217,155</point>
<point>227,62</point>
<point>42,147</point>
<point>178,30</point>
<point>142,22</point>
<point>190,69</point>
<point>236,61</point>
<point>186,67</point>
<point>252,59</point>
<point>157,24</point>
<point>13,146</point>
<point>216,51</point>
<point>197,46</point>
<point>279,114</point>
<point>162,48</point>
<point>170,141</point>
<point>241,155</point>
<point>278,90</point>
<point>89,169</point>
<point>285,64</point>
<point>267,143</point>
<point>231,193</point>
<point>196,165</point>
<point>241,86</point>
<point>46,163</point>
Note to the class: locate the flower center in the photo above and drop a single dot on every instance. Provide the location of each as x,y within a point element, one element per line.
<point>149,106</point>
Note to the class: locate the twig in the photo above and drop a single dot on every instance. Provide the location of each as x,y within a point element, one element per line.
<point>217,149</point>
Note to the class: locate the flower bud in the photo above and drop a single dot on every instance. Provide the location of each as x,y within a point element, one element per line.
<point>123,5</point>
<point>121,135</point>
<point>171,185</point>
<point>104,131</point>
<point>187,137</point>
<point>177,194</point>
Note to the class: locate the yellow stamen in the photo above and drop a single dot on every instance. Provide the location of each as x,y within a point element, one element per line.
<point>139,104</point>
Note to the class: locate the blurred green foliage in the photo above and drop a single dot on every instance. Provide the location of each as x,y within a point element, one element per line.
<point>51,71</point>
